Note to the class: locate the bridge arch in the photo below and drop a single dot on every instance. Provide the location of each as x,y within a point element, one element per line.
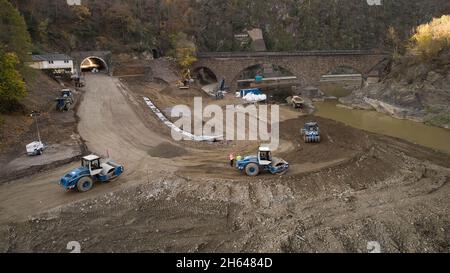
<point>205,75</point>
<point>284,68</point>
<point>91,62</point>
<point>307,66</point>
<point>340,81</point>
<point>344,69</point>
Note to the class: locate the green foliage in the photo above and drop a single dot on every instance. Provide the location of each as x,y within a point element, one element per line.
<point>15,46</point>
<point>183,50</point>
<point>42,30</point>
<point>440,120</point>
<point>14,36</point>
<point>12,86</point>
<point>288,25</point>
<point>2,121</point>
<point>431,38</point>
<point>395,43</point>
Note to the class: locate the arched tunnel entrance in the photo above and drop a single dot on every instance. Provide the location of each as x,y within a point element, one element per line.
<point>156,54</point>
<point>93,63</point>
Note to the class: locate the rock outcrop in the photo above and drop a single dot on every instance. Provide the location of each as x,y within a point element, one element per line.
<point>414,90</point>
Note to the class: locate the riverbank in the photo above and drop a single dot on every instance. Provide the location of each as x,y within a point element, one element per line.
<point>433,116</point>
<point>376,122</point>
<point>416,88</point>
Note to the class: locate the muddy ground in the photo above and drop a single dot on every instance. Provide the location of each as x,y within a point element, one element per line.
<point>338,195</point>
<point>57,130</point>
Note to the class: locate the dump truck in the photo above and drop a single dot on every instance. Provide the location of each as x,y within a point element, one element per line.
<point>297,102</point>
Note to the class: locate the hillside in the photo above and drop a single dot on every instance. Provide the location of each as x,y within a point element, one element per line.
<point>418,85</point>
<point>143,25</point>
<point>413,90</point>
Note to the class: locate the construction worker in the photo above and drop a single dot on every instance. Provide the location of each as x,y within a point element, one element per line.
<point>231,159</point>
<point>238,158</point>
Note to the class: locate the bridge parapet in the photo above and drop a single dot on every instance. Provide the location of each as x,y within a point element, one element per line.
<point>289,54</point>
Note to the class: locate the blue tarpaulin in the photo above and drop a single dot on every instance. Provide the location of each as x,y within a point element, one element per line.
<point>255,91</point>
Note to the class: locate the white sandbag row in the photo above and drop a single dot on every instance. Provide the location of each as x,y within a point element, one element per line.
<point>169,124</point>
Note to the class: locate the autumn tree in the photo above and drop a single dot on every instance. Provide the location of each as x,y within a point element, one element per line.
<point>12,86</point>
<point>15,45</point>
<point>184,51</point>
<point>394,42</point>
<point>121,20</point>
<point>14,36</point>
<point>431,38</point>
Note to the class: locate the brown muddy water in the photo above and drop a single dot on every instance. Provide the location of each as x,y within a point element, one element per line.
<point>372,121</point>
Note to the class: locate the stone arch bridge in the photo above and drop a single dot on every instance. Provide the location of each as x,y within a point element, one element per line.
<point>307,66</point>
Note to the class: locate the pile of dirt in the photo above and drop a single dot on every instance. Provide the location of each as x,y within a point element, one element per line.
<point>337,141</point>
<point>167,150</point>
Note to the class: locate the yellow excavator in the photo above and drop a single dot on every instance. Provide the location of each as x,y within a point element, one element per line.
<point>186,81</point>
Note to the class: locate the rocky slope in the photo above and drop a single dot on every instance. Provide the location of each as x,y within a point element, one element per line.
<point>413,90</point>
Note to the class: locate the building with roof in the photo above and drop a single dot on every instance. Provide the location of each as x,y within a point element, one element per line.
<point>74,2</point>
<point>56,63</point>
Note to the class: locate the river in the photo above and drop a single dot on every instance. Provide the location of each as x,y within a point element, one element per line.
<point>372,121</point>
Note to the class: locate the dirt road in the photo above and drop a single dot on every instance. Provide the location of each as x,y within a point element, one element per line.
<point>107,123</point>
<point>352,188</point>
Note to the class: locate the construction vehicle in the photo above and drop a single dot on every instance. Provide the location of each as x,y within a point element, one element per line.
<point>186,81</point>
<point>67,93</point>
<point>92,169</point>
<point>297,102</point>
<point>65,100</point>
<point>254,165</point>
<point>35,147</point>
<point>221,90</point>
<point>79,81</point>
<point>63,104</point>
<point>311,132</point>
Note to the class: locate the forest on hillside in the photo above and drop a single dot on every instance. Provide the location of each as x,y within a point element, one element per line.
<point>288,25</point>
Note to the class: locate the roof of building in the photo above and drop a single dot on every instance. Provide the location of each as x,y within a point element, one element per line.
<point>51,57</point>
